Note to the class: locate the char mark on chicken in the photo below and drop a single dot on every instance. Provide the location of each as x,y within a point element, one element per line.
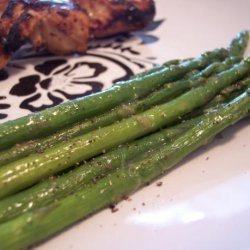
<point>3,5</point>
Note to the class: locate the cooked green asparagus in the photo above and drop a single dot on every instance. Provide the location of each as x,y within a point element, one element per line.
<point>35,226</point>
<point>20,174</point>
<point>50,120</point>
<point>238,45</point>
<point>54,189</point>
<point>168,92</point>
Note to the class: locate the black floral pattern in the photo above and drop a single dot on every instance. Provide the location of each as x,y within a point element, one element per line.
<point>3,106</point>
<point>40,85</point>
<point>3,75</point>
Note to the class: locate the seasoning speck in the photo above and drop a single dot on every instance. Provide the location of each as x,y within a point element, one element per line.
<point>127,198</point>
<point>113,208</point>
<point>159,183</point>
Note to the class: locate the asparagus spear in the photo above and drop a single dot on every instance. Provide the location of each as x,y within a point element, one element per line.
<point>50,190</point>
<point>227,92</point>
<point>25,172</point>
<point>54,189</point>
<point>166,93</point>
<point>157,68</point>
<point>166,64</point>
<point>226,95</point>
<point>35,226</point>
<point>238,45</point>
<point>50,120</point>
<point>236,48</point>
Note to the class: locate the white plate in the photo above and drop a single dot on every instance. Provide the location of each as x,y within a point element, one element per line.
<point>204,202</point>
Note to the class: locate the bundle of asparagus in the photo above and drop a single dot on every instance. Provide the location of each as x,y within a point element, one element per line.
<point>97,155</point>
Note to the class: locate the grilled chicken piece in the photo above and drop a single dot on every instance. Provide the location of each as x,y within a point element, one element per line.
<point>108,17</point>
<point>62,28</point>
<point>65,26</point>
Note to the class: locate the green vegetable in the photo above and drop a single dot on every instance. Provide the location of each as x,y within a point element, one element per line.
<point>35,226</point>
<point>238,86</point>
<point>168,92</point>
<point>39,195</point>
<point>238,45</point>
<point>157,68</point>
<point>54,189</point>
<point>169,63</point>
<point>25,172</point>
<point>50,120</point>
<point>226,95</point>
<point>236,48</point>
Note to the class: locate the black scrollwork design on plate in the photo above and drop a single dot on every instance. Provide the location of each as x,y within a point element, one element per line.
<point>3,75</point>
<point>55,81</point>
<point>3,107</point>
